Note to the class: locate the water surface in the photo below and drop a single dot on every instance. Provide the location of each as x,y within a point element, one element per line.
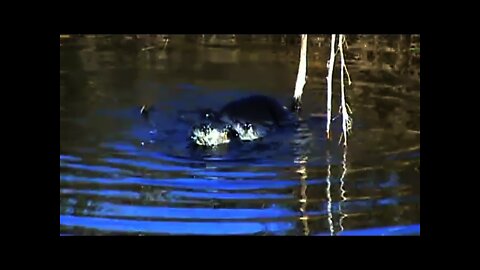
<point>121,175</point>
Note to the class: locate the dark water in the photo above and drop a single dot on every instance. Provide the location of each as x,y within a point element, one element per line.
<point>119,175</point>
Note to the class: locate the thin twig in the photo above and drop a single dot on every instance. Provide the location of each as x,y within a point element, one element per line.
<point>348,75</point>
<point>302,69</point>
<point>348,108</point>
<point>165,46</point>
<point>148,48</point>
<point>344,107</point>
<point>331,63</point>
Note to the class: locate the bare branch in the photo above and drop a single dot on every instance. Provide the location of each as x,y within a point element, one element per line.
<point>330,64</point>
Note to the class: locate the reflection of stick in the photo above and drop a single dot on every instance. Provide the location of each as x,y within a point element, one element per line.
<point>331,63</point>
<point>342,190</point>
<point>329,197</point>
<point>303,192</point>
<point>301,75</point>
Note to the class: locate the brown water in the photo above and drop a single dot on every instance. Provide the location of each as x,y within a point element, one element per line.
<point>119,175</point>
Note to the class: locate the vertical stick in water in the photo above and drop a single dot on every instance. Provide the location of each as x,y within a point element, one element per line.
<point>331,63</point>
<point>302,71</point>
<point>344,107</point>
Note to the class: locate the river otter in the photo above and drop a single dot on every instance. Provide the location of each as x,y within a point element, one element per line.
<point>245,119</point>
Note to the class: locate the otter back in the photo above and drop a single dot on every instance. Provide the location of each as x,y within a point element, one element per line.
<point>256,109</point>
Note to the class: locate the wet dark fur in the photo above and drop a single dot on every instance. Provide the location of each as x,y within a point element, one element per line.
<point>257,109</point>
<point>252,110</point>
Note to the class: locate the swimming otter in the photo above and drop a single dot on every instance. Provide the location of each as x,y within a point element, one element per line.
<point>245,119</point>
